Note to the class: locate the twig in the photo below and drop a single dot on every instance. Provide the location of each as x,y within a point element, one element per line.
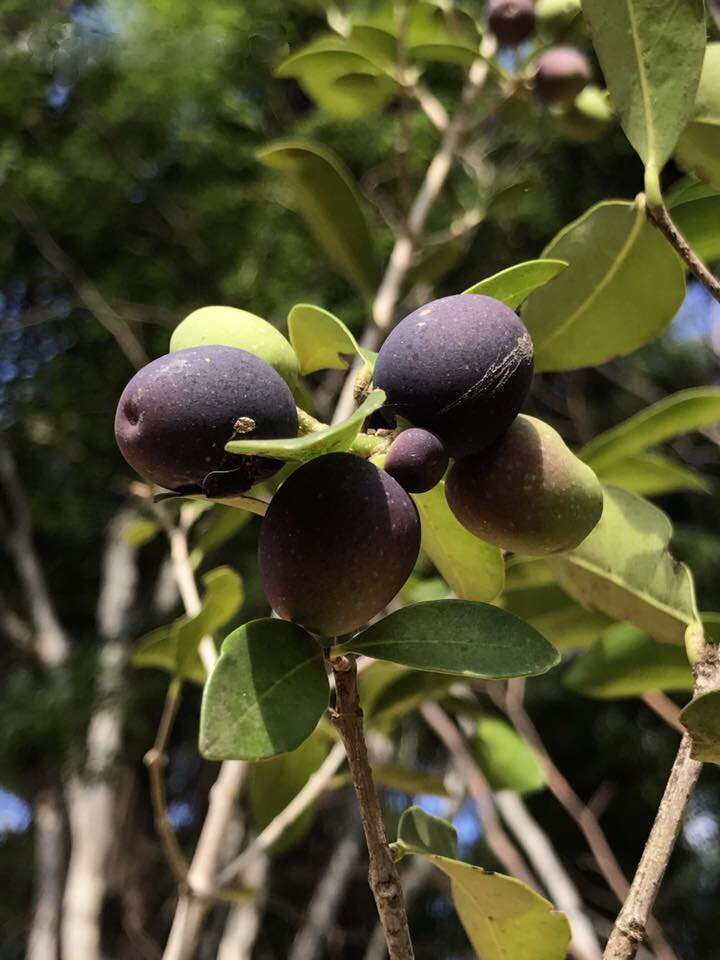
<point>383,875</point>
<point>498,841</point>
<point>631,923</point>
<point>414,877</point>
<point>659,216</point>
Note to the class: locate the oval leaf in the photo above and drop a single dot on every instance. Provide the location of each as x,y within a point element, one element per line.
<point>331,205</point>
<point>457,637</point>
<point>471,568</point>
<point>506,760</point>
<point>670,417</point>
<point>338,437</point>
<point>625,570</point>
<point>623,286</point>
<point>701,719</point>
<point>265,694</point>
<point>650,474</point>
<point>515,284</point>
<point>651,54</point>
<point>320,340</point>
<point>625,662</point>
<point>699,146</point>
<point>697,215</point>
<point>421,832</point>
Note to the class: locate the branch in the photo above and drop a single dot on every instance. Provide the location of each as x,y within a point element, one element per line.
<point>631,923</point>
<point>43,941</point>
<point>414,877</point>
<point>660,217</point>
<point>383,875</point>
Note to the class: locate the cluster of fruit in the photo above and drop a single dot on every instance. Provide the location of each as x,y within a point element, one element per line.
<point>341,534</point>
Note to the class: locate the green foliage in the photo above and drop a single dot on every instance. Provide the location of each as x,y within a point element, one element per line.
<point>409,781</point>
<point>650,474</point>
<point>320,339</point>
<point>651,61</point>
<point>696,212</point>
<point>457,637</point>
<point>701,719</point>
<point>699,146</point>
<point>624,569</point>
<point>554,614</point>
<point>266,693</point>
<point>421,832</point>
<point>505,758</point>
<point>331,204</point>
<point>622,288</point>
<point>515,284</point>
<point>625,662</point>
<point>471,568</point>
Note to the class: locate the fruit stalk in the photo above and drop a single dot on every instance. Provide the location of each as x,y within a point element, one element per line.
<point>347,717</point>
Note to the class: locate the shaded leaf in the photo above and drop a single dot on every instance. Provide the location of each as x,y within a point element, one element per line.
<point>320,339</point>
<point>140,532</point>
<point>336,438</point>
<point>554,614</point>
<point>409,781</point>
<point>624,569</point>
<point>223,523</point>
<point>651,54</point>
<point>679,413</point>
<point>623,286</point>
<point>515,284</point>
<point>223,598</point>
<point>421,832</point>
<point>697,216</point>
<point>701,719</point>
<point>522,572</point>
<point>699,147</point>
<point>331,204</point>
<point>472,568</point>
<point>405,693</point>
<point>266,693</point>
<point>506,760</point>
<point>625,662</point>
<point>159,649</point>
<point>459,638</point>
<point>650,474</point>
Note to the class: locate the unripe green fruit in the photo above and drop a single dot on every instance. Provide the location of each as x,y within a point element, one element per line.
<point>511,21</point>
<point>528,493</point>
<point>338,541</point>
<point>230,327</point>
<point>588,116</point>
<point>562,73</point>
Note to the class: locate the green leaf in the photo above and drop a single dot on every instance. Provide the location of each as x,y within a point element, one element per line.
<point>320,340</point>
<point>559,618</point>
<point>522,572</point>
<point>670,417</point>
<point>623,287</point>
<point>506,760</point>
<point>331,204</point>
<point>331,439</point>
<point>221,525</point>
<point>624,569</point>
<point>515,284</point>
<point>701,719</point>
<point>650,474</point>
<point>405,693</point>
<point>421,832</point>
<point>266,693</point>
<point>699,146</point>
<point>651,56</point>
<point>472,568</point>
<point>459,638</point>
<point>625,662</point>
<point>140,532</point>
<point>274,783</point>
<point>697,216</point>
<point>158,649</point>
<point>409,781</point>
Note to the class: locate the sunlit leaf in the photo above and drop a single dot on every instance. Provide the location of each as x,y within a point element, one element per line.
<point>515,284</point>
<point>506,760</point>
<point>699,146</point>
<point>421,832</point>
<point>320,339</point>
<point>651,474</point>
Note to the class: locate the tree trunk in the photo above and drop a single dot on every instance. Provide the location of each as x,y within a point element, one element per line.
<point>49,864</point>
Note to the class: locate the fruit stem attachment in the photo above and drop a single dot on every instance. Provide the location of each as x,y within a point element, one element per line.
<point>347,718</point>
<point>659,216</point>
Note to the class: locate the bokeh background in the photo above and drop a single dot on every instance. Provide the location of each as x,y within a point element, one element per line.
<point>130,194</point>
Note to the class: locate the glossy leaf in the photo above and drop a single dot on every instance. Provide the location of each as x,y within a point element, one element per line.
<point>701,719</point>
<point>421,832</point>
<point>320,339</point>
<point>650,474</point>
<point>472,568</point>
<point>554,614</point>
<point>670,417</point>
<point>515,284</point>
<point>331,204</point>
<point>459,638</point>
<point>336,438</point>
<point>625,662</point>
<point>266,693</point>
<point>624,569</point>
<point>651,54</point>
<point>506,760</point>
<point>699,146</point>
<point>623,286</point>
<point>273,784</point>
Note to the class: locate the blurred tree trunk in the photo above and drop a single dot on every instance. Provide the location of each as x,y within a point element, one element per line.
<point>49,866</point>
<point>243,922</point>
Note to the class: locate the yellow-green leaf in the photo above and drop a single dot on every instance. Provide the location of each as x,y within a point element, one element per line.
<point>515,284</point>
<point>320,339</point>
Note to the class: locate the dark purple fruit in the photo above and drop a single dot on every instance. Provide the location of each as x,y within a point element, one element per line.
<point>339,540</point>
<point>417,459</point>
<point>511,21</point>
<point>562,73</point>
<point>177,413</point>
<point>460,367</point>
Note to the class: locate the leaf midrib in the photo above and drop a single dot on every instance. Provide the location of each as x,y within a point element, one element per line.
<point>651,159</point>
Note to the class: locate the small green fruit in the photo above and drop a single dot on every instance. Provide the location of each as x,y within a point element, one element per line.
<point>230,327</point>
<point>528,493</point>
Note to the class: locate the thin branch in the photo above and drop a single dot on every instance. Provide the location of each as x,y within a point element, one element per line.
<point>383,874</point>
<point>660,217</point>
<point>414,877</point>
<point>631,923</point>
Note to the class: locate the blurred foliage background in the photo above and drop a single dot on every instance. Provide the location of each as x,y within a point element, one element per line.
<point>129,183</point>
